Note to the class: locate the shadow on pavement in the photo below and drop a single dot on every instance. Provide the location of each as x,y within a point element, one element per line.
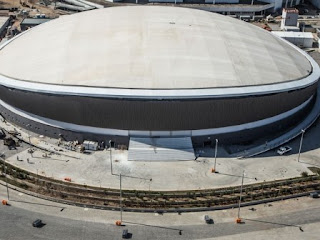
<point>315,165</point>
<point>233,175</point>
<point>275,223</point>
<point>148,225</point>
<point>41,204</point>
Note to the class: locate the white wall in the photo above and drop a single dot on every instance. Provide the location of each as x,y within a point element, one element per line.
<point>304,42</point>
<point>297,38</point>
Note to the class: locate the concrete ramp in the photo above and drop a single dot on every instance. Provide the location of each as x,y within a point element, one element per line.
<point>161,149</point>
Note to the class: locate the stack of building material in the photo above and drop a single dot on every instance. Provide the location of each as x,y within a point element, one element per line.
<point>77,5</point>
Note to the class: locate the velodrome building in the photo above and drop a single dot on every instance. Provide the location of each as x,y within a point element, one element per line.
<point>154,71</point>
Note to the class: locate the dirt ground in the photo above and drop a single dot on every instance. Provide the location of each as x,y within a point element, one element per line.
<point>9,3</point>
<point>33,6</point>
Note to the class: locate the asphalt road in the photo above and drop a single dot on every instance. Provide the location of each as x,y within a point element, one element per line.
<point>16,224</point>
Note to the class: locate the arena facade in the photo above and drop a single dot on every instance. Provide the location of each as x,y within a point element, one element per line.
<point>154,71</point>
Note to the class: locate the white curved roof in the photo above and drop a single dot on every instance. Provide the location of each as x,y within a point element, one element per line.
<point>151,47</point>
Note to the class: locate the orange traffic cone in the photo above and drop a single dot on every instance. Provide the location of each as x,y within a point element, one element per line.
<point>118,223</point>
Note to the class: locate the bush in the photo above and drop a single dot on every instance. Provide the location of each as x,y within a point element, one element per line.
<point>304,174</point>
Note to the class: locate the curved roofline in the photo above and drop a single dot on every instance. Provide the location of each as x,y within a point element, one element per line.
<point>218,92</point>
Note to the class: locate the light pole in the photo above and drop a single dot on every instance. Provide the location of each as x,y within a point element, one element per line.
<point>301,140</point>
<point>5,174</point>
<point>239,219</point>
<point>110,157</point>
<point>215,156</point>
<point>120,199</point>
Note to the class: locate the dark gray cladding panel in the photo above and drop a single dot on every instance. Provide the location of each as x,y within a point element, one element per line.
<point>155,115</point>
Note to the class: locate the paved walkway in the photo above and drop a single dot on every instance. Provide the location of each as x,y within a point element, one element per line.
<point>95,168</point>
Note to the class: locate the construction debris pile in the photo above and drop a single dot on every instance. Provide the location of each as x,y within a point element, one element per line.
<point>77,5</point>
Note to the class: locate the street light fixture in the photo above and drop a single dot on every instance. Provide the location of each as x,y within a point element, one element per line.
<point>119,222</point>
<point>120,198</point>
<point>5,173</point>
<point>215,156</point>
<point>239,219</point>
<point>301,140</point>
<point>110,157</point>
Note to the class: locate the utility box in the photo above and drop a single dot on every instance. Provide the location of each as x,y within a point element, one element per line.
<point>314,195</point>
<point>37,223</point>
<point>208,219</point>
<point>125,234</point>
<point>289,18</point>
<point>90,145</point>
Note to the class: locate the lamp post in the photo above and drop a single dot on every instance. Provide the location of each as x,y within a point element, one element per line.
<point>301,140</point>
<point>215,156</point>
<point>5,173</point>
<point>239,219</point>
<point>110,157</point>
<point>120,199</point>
